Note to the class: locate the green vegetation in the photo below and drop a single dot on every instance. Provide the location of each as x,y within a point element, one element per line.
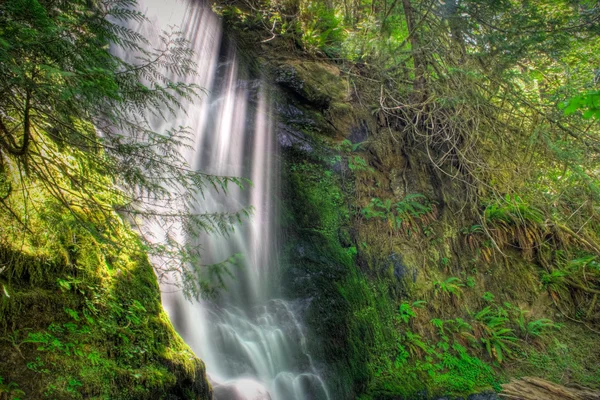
<point>473,203</point>
<point>80,311</point>
<point>90,325</point>
<point>77,131</point>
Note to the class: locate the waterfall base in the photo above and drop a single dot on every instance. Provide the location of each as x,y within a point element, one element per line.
<point>242,389</point>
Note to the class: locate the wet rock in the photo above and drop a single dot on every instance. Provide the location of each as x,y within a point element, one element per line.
<point>317,84</point>
<point>359,133</point>
<point>290,114</point>
<point>401,271</point>
<point>288,137</point>
<point>290,128</point>
<point>288,77</point>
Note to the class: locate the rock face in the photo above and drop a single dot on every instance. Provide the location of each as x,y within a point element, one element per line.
<point>316,84</point>
<point>539,389</point>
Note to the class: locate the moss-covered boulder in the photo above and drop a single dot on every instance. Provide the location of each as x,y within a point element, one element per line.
<point>90,326</point>
<point>317,83</point>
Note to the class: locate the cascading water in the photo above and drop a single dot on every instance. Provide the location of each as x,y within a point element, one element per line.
<point>251,341</point>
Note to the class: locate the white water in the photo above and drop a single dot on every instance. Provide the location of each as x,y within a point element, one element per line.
<point>251,341</point>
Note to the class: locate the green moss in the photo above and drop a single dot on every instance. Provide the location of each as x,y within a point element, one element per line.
<point>359,272</point>
<point>572,354</point>
<point>90,331</point>
<point>318,83</point>
<point>317,261</point>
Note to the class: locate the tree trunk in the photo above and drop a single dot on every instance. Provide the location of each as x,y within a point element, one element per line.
<point>419,82</point>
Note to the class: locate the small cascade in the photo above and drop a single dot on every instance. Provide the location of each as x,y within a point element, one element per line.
<point>251,340</point>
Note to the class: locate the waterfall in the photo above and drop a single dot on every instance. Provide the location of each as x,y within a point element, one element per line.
<point>251,340</point>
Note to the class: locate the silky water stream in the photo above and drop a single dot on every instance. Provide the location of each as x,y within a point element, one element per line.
<point>251,340</point>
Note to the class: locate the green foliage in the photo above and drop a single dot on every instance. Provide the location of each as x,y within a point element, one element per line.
<point>494,334</point>
<point>464,373</point>
<point>471,230</point>
<point>470,282</point>
<point>589,103</point>
<point>379,209</point>
<point>322,212</point>
<point>452,286</point>
<point>488,297</point>
<point>76,134</point>
<point>348,147</point>
<point>358,163</point>
<point>11,390</point>
<point>321,28</point>
<point>496,329</point>
<point>554,280</point>
<point>406,310</point>
<point>446,367</point>
<point>414,204</point>
<point>403,214</point>
<point>414,343</point>
<point>579,274</point>
<point>538,327</point>
<point>513,210</point>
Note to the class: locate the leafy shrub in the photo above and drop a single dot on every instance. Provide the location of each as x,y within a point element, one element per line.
<point>322,29</point>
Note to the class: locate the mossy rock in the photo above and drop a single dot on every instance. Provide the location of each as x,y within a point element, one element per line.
<point>322,87</point>
<point>316,83</point>
<point>97,332</point>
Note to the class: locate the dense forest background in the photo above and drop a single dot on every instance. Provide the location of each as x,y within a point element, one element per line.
<point>439,193</point>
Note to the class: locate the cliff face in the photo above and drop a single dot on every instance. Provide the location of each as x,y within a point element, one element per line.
<point>406,296</point>
<point>90,326</point>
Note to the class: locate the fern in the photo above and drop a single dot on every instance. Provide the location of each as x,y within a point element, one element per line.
<point>513,211</point>
<point>494,334</point>
<point>540,327</point>
<point>406,311</point>
<point>452,286</point>
<point>415,344</point>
